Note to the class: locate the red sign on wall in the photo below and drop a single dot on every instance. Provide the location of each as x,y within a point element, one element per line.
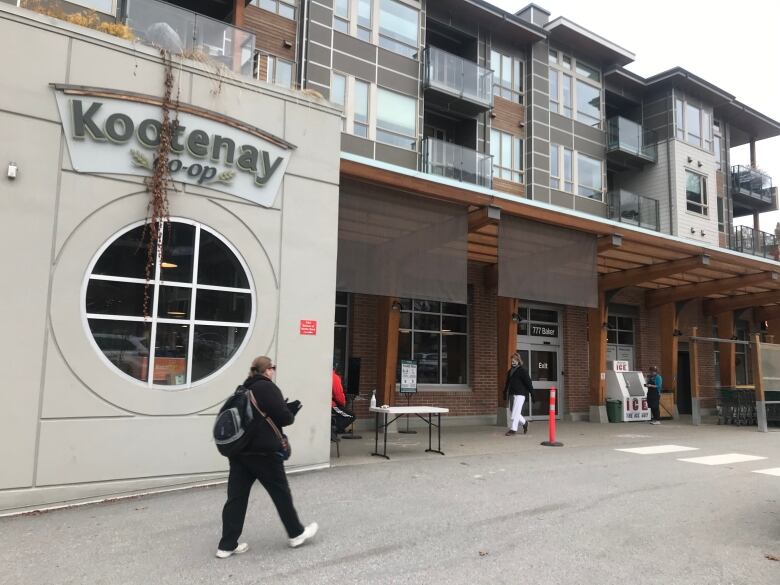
<point>308,327</point>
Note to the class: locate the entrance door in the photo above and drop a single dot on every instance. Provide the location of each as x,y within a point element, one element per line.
<point>544,364</point>
<point>684,382</point>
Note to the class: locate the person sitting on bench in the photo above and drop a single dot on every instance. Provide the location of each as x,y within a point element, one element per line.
<point>342,418</point>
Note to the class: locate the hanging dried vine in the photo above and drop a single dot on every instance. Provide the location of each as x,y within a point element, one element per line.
<point>160,181</point>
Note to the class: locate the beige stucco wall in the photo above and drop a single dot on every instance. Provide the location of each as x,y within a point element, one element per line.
<point>70,426</point>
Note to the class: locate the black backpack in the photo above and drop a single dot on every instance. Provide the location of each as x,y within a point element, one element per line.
<point>233,427</point>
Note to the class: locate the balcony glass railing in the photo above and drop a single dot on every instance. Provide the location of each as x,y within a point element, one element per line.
<point>752,182</point>
<point>458,76</point>
<point>638,210</point>
<point>628,136</point>
<point>750,241</point>
<point>191,34</point>
<point>456,162</point>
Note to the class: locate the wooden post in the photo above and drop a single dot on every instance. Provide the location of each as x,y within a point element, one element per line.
<point>388,320</point>
<point>238,12</point>
<point>507,342</point>
<point>597,359</point>
<point>758,383</point>
<point>728,351</point>
<point>693,348</point>
<point>668,326</point>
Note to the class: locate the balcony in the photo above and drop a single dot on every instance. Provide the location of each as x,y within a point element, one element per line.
<point>162,25</point>
<point>629,145</point>
<point>751,241</point>
<point>752,191</point>
<point>638,210</point>
<point>453,161</point>
<point>456,84</point>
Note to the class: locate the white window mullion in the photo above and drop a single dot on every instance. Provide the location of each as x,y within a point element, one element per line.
<point>153,334</point>
<point>193,298</point>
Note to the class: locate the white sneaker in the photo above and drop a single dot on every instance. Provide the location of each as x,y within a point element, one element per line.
<point>241,548</point>
<point>307,533</point>
<point>655,422</point>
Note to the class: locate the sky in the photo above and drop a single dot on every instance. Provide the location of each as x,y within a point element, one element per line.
<point>735,46</point>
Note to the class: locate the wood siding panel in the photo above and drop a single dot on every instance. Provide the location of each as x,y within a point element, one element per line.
<point>509,187</point>
<point>272,31</point>
<point>508,116</point>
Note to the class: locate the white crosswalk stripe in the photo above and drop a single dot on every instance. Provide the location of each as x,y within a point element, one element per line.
<point>772,471</point>
<point>723,459</point>
<point>658,449</point>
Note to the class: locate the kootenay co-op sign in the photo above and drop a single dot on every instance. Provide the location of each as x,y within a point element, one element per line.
<point>107,135</point>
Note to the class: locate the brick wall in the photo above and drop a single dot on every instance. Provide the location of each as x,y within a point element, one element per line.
<point>576,391</point>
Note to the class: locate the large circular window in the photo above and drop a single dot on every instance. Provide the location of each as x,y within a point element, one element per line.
<point>200,304</point>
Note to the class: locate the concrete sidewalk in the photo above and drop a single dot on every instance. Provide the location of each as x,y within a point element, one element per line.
<point>493,510</point>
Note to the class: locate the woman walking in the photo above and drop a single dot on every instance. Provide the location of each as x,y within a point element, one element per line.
<point>260,461</point>
<point>518,389</point>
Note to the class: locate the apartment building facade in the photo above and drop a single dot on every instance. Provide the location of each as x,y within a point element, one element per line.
<point>504,184</point>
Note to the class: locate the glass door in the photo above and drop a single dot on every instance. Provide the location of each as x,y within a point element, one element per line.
<point>544,366</point>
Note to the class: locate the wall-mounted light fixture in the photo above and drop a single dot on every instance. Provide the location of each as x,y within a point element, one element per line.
<point>734,338</point>
<point>702,233</point>
<point>396,306</point>
<point>693,230</point>
<point>690,159</point>
<point>701,164</point>
<point>515,317</point>
<point>287,44</point>
<point>676,333</point>
<point>13,170</point>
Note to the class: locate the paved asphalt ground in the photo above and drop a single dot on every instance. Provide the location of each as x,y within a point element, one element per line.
<point>493,510</point>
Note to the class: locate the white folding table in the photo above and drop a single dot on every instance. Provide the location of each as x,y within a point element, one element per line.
<point>400,411</point>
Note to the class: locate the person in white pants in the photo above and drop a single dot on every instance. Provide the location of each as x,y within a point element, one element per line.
<point>517,390</point>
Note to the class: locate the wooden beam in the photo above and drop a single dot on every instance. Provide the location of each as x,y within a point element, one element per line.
<point>634,276</point>
<point>597,351</point>
<point>507,341</point>
<point>479,218</point>
<point>609,243</point>
<point>715,306</point>
<point>694,365</point>
<point>489,259</point>
<point>481,249</point>
<point>485,239</point>
<point>758,374</point>
<point>727,352</point>
<point>668,320</point>
<point>388,320</point>
<point>702,289</point>
<point>238,12</point>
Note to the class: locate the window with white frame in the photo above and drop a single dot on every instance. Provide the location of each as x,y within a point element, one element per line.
<point>721,220</point>
<point>399,28</point>
<point>561,159</point>
<point>717,144</point>
<point>338,93</point>
<point>396,118</point>
<point>589,179</point>
<point>507,76</point>
<point>360,108</point>
<point>341,16</point>
<point>696,192</point>
<point>279,71</point>
<point>574,82</point>
<point>435,335</point>
<point>364,19</point>
<point>507,152</point>
<point>693,124</point>
<point>173,322</point>
<point>284,8</point>
<point>679,118</point>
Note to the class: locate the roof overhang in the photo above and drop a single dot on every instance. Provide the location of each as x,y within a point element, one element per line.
<point>581,40</point>
<point>501,22</point>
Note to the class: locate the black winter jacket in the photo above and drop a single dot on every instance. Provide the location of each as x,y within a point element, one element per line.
<point>518,382</point>
<point>270,400</point>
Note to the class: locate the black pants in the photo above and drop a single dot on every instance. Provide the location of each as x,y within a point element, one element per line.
<point>269,471</point>
<point>654,400</point>
<point>341,418</point>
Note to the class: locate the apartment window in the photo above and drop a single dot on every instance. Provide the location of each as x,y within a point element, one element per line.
<point>693,124</point>
<point>360,118</point>
<point>721,223</point>
<point>398,28</point>
<point>696,193</point>
<point>284,8</point>
<point>338,92</point>
<point>341,16</point>
<point>507,152</point>
<point>679,118</point>
<point>706,122</point>
<point>396,119</point>
<point>620,339</point>
<point>718,154</point>
<point>507,76</point>
<point>435,335</point>
<point>588,176</point>
<point>341,334</point>
<point>364,19</point>
<point>564,92</point>
<point>279,71</point>
<point>561,157</point>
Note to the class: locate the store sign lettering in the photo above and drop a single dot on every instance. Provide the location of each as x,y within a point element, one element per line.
<point>544,330</point>
<point>116,136</point>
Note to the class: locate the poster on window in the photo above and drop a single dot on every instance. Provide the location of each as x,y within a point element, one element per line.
<point>408,377</point>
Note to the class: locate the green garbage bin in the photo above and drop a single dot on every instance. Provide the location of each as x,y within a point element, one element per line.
<point>613,410</point>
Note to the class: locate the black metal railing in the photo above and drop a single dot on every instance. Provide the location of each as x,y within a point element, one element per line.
<point>634,209</point>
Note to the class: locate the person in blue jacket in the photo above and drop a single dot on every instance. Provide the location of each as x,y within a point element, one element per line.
<point>654,387</point>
